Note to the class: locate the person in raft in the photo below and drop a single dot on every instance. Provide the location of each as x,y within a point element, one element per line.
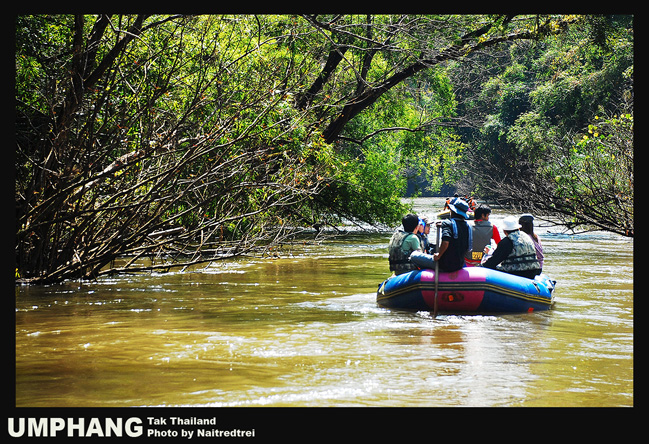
<point>483,231</point>
<point>456,237</point>
<point>423,230</point>
<point>527,225</point>
<point>515,254</point>
<point>402,244</point>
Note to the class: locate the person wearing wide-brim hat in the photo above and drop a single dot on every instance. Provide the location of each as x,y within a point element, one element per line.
<point>456,237</point>
<point>510,224</point>
<point>459,207</point>
<point>515,254</point>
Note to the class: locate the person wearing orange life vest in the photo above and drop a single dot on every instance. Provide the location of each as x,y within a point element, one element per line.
<point>483,231</point>
<point>469,200</point>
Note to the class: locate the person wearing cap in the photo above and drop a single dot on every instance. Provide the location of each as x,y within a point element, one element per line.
<point>456,237</point>
<point>402,244</point>
<point>423,230</point>
<point>515,254</point>
<point>527,225</point>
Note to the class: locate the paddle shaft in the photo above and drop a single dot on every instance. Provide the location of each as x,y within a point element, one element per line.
<point>436,271</point>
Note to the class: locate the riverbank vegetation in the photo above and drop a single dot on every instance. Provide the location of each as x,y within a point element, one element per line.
<point>186,139</point>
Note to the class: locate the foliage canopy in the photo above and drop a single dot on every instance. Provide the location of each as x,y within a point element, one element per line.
<point>186,139</point>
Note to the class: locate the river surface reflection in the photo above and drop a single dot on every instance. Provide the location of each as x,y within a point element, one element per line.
<point>305,330</point>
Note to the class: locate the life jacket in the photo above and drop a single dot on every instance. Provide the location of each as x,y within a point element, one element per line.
<point>523,255</point>
<point>399,259</point>
<point>482,232</point>
<point>539,252</point>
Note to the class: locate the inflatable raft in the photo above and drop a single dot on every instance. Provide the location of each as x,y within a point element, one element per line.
<point>468,290</point>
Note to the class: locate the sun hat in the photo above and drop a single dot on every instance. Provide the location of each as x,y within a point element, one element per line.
<point>460,207</point>
<point>510,224</point>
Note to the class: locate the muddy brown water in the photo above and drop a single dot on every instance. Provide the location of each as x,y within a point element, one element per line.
<point>304,330</point>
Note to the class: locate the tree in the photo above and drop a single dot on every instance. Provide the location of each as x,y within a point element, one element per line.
<point>410,45</point>
<point>559,138</point>
<point>183,140</point>
<point>367,58</point>
<point>176,145</point>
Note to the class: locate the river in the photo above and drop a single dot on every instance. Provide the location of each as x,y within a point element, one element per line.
<point>304,330</point>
